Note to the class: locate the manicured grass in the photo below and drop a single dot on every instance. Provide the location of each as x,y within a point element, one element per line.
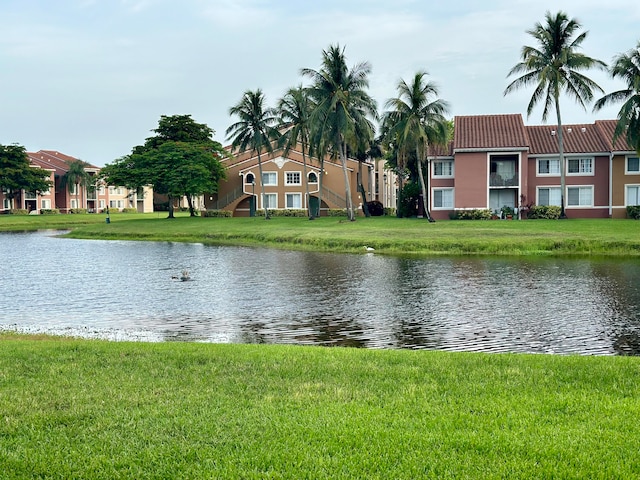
<point>91,409</point>
<point>386,234</point>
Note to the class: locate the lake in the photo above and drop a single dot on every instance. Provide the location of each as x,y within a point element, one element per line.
<point>121,290</point>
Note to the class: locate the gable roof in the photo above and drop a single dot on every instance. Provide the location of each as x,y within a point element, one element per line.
<point>489,132</point>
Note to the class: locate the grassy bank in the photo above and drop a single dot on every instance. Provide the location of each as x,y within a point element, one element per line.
<point>91,409</point>
<point>386,234</point>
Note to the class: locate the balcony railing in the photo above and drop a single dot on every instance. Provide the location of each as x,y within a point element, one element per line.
<point>496,180</point>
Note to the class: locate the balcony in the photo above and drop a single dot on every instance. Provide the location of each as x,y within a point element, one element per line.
<point>497,180</point>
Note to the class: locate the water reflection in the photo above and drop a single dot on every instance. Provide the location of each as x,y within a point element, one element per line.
<point>124,290</point>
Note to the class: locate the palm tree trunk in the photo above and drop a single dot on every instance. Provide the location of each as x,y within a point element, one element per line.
<point>347,187</point>
<point>320,178</point>
<point>425,198</point>
<point>306,182</point>
<point>561,153</point>
<point>365,207</point>
<point>266,210</point>
<point>399,196</point>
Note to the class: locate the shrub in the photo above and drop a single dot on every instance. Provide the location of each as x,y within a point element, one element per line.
<point>288,212</point>
<point>337,212</point>
<point>130,210</point>
<point>390,211</point>
<point>49,211</point>
<point>217,213</point>
<point>409,200</point>
<point>18,211</point>
<point>77,210</point>
<point>633,211</point>
<point>376,209</point>
<point>476,214</point>
<point>548,212</point>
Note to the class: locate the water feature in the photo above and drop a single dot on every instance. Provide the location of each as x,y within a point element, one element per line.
<point>133,291</point>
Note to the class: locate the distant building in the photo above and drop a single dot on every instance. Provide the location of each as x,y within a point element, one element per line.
<point>94,198</point>
<point>496,161</point>
<point>285,184</point>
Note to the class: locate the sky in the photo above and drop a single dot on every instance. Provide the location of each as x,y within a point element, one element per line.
<point>91,78</point>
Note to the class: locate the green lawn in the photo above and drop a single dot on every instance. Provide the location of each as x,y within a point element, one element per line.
<point>93,409</point>
<point>386,234</point>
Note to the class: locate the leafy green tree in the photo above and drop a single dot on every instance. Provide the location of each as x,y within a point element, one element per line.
<point>16,174</point>
<point>256,130</point>
<point>76,178</point>
<point>554,66</point>
<point>343,109</point>
<point>416,120</point>
<point>626,66</point>
<point>182,159</point>
<point>295,118</point>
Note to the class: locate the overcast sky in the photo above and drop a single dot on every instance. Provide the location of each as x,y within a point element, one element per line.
<point>90,78</point>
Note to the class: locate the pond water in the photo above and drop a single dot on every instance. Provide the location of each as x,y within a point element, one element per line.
<point>122,290</point>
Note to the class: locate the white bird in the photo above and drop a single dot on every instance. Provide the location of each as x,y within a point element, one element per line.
<point>369,249</point>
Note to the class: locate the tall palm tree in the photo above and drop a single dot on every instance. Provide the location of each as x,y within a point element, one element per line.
<point>76,178</point>
<point>626,66</point>
<point>415,120</point>
<point>255,130</point>
<point>554,67</point>
<point>343,108</point>
<point>295,112</point>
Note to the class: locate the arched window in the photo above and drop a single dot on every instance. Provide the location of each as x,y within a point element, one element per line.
<point>249,178</point>
<point>313,178</point>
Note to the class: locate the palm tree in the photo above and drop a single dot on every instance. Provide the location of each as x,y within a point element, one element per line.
<point>295,112</point>
<point>626,66</point>
<point>554,66</point>
<point>75,178</point>
<point>255,130</point>
<point>415,121</point>
<point>343,108</point>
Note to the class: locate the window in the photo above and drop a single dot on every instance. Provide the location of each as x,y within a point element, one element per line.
<point>580,196</point>
<point>579,166</point>
<point>293,200</point>
<point>270,200</point>
<point>45,204</point>
<point>101,190</point>
<point>116,203</point>
<point>549,196</point>
<point>74,203</point>
<point>632,195</point>
<point>443,198</point>
<point>6,203</point>
<point>549,166</point>
<point>313,178</point>
<point>633,165</point>
<point>29,195</point>
<point>292,178</point>
<point>249,178</point>
<point>270,178</point>
<point>443,169</point>
<point>102,204</point>
<point>73,189</point>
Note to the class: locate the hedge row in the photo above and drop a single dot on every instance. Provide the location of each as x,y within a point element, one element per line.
<point>633,211</point>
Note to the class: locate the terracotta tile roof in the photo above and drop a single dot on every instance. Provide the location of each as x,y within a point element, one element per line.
<point>436,151</point>
<point>580,138</point>
<point>54,160</point>
<point>606,129</point>
<point>489,132</point>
